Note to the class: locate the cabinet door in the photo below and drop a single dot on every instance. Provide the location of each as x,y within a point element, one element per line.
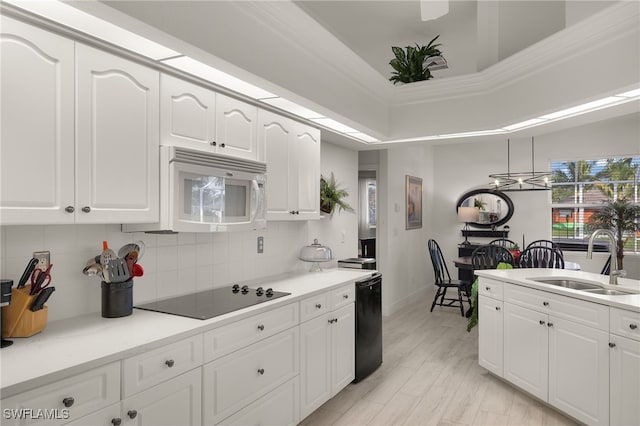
<point>175,402</point>
<point>305,164</point>
<point>275,133</point>
<point>343,343</point>
<point>579,370</point>
<point>187,114</point>
<point>526,349</point>
<point>490,334</point>
<point>36,154</point>
<point>236,128</point>
<point>315,363</point>
<point>625,381</point>
<point>117,148</point>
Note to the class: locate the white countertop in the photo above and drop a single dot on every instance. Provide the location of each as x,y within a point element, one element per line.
<point>78,344</point>
<point>523,277</point>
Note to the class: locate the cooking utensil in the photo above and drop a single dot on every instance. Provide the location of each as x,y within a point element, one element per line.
<point>93,269</point>
<point>27,272</point>
<point>137,270</point>
<point>118,270</point>
<point>128,248</point>
<point>42,298</point>
<point>40,279</point>
<point>106,256</point>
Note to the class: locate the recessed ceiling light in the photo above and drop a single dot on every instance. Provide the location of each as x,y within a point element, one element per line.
<point>214,75</point>
<point>81,21</point>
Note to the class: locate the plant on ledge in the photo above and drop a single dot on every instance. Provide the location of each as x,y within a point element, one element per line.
<point>413,65</point>
<point>331,196</point>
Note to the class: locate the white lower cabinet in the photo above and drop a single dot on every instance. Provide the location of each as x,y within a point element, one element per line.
<point>327,357</point>
<point>624,367</point>
<point>234,381</point>
<point>490,332</point>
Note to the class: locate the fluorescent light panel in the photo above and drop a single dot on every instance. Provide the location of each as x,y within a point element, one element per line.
<point>214,75</point>
<point>89,24</point>
<point>589,106</point>
<point>523,124</point>
<point>630,94</point>
<point>334,125</point>
<point>363,137</point>
<point>292,107</point>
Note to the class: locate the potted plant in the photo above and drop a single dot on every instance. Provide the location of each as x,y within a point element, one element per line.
<point>411,65</point>
<point>331,196</point>
<point>620,217</point>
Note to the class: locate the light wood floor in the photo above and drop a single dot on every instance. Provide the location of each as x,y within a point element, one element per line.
<point>430,376</point>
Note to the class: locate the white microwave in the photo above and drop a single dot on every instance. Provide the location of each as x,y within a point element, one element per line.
<point>204,192</point>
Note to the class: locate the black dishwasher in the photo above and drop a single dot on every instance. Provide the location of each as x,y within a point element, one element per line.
<point>368,326</point>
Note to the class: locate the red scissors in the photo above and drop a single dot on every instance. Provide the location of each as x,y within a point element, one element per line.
<point>40,279</point>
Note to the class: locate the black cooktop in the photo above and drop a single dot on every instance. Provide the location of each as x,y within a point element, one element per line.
<point>211,303</point>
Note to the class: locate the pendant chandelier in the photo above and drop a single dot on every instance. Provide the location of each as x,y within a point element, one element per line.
<point>521,181</point>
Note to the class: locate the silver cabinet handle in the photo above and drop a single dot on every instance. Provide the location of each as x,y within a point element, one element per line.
<point>261,327</point>
<point>69,209</point>
<point>86,209</point>
<point>633,326</point>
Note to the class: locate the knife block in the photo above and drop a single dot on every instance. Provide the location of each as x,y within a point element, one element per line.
<point>18,320</point>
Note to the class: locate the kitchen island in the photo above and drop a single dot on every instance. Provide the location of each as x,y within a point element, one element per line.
<point>150,350</point>
<point>572,348</point>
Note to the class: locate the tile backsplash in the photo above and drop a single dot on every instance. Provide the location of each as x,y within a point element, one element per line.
<point>173,264</point>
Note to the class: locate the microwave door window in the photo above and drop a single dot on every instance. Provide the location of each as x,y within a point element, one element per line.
<point>204,199</point>
<point>236,200</point>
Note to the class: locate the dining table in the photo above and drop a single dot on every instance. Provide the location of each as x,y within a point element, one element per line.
<point>465,263</point>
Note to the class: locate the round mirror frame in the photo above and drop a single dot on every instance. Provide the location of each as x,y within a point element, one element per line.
<point>498,194</point>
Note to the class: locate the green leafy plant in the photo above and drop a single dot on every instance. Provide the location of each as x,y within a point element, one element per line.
<point>479,204</point>
<point>331,196</point>
<point>619,216</point>
<point>410,66</point>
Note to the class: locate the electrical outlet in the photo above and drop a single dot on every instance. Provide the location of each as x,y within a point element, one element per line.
<point>44,259</point>
<point>260,244</point>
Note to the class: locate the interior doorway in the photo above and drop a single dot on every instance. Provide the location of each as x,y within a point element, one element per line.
<point>367,203</point>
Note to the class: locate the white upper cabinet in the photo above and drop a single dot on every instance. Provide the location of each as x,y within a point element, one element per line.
<point>117,144</point>
<point>236,129</point>
<point>292,154</point>
<point>198,118</point>
<point>187,114</point>
<point>36,154</point>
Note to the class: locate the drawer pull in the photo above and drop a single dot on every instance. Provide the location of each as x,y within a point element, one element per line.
<point>68,402</point>
<point>261,327</point>
<point>497,308</point>
<point>633,326</point>
<point>612,345</point>
<point>541,322</point>
<point>170,363</point>
<point>69,209</point>
<point>86,209</point>
<point>222,145</point>
<point>261,371</point>
<point>213,143</point>
<point>545,303</point>
<point>346,296</point>
<point>549,324</point>
<point>487,288</point>
<point>132,414</point>
<point>318,305</point>
<point>116,422</point>
<point>332,320</point>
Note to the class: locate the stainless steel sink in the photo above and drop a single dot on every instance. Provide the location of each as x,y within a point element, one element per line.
<point>607,292</point>
<point>568,283</point>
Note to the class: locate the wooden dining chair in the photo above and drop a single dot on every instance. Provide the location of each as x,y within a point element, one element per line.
<point>488,257</point>
<point>444,282</point>
<point>503,242</point>
<point>541,257</point>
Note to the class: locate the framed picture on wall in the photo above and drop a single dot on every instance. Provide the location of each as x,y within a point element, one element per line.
<point>414,202</point>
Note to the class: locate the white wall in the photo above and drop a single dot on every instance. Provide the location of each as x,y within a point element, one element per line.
<point>460,167</point>
<point>402,254</point>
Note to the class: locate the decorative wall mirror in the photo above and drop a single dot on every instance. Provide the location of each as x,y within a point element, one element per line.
<point>496,208</point>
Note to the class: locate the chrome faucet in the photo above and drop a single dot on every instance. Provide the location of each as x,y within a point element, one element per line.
<point>614,273</point>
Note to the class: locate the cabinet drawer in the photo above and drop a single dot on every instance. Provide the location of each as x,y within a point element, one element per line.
<point>625,323</point>
<point>278,407</point>
<point>150,368</point>
<point>576,310</point>
<point>343,296</point>
<point>106,416</point>
<point>491,288</point>
<point>315,306</point>
<point>236,380</point>
<point>84,393</point>
<point>229,338</point>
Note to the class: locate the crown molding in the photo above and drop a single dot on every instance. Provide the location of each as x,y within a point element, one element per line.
<point>613,23</point>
